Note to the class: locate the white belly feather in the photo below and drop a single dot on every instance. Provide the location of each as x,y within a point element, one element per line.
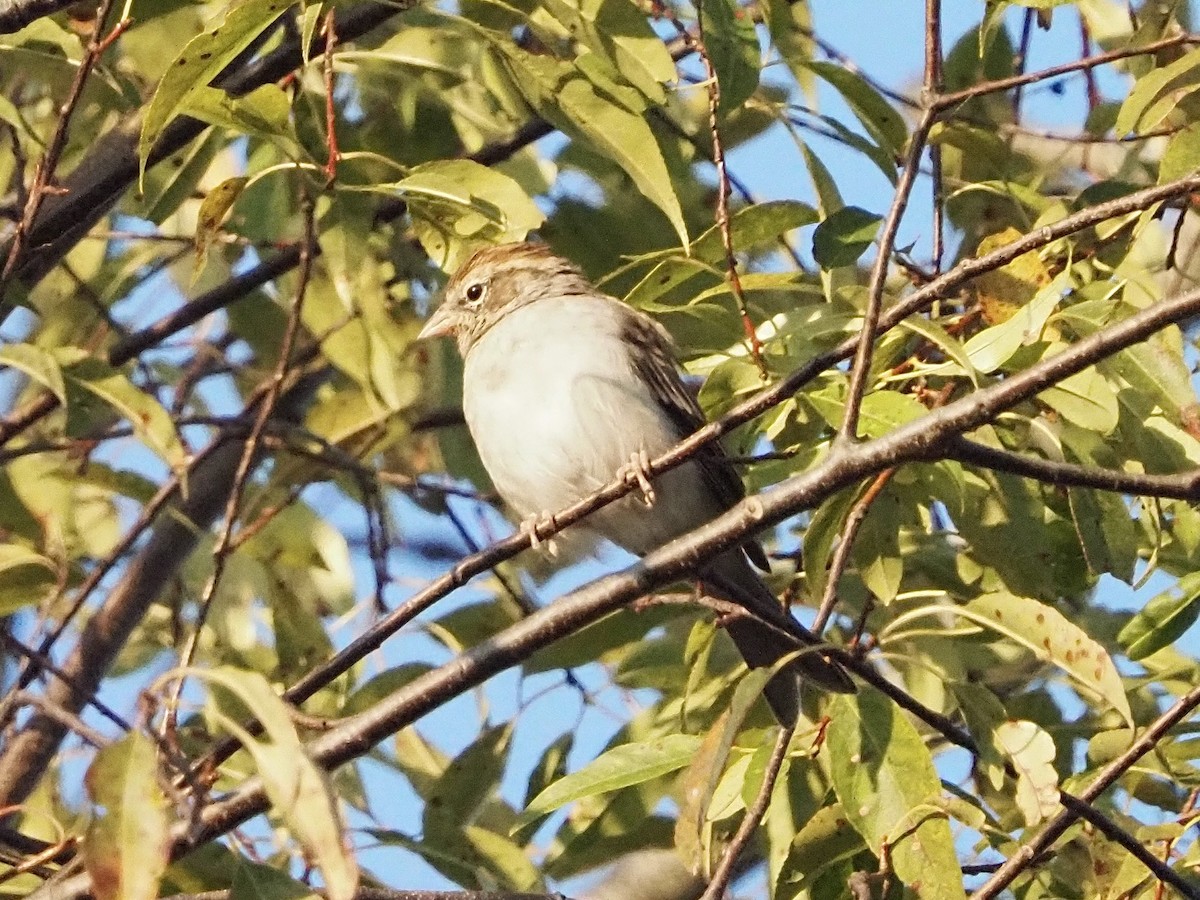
<point>556,410</point>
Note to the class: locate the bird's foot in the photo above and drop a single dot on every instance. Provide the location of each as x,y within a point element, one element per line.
<point>637,472</point>
<point>530,525</point>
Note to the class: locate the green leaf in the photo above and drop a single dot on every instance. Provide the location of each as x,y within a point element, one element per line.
<point>38,364</point>
<point>1086,399</point>
<point>619,32</point>
<point>844,236</point>
<point>825,839</point>
<point>265,112</point>
<point>255,881</point>
<point>877,550</point>
<point>1106,532</point>
<point>732,45</point>
<point>620,767</point>
<point>570,102</point>
<point>1149,88</point>
<point>1182,156</point>
<point>127,843</point>
<point>1164,619</point>
<point>503,857</point>
<point>878,116</point>
<point>202,60</point>
<point>753,227</point>
<point>890,792</point>
<point>1052,637</point>
<point>299,790</point>
<point>823,530</point>
<point>1031,751</point>
<point>150,421</point>
<point>25,577</point>
<point>466,783</point>
<point>168,185</point>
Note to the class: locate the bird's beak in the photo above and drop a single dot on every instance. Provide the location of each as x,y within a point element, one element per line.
<point>440,324</point>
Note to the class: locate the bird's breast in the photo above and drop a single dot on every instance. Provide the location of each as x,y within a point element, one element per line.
<point>556,407</point>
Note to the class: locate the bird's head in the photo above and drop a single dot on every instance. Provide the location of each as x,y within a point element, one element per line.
<point>496,281</point>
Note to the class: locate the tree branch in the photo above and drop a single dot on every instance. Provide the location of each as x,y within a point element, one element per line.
<point>1183,486</point>
<point>1114,832</point>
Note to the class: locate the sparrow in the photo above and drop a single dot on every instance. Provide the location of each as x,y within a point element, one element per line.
<point>566,389</point>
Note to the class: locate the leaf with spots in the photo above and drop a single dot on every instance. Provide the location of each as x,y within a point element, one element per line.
<point>1052,637</point>
<point>201,61</point>
<point>884,778</point>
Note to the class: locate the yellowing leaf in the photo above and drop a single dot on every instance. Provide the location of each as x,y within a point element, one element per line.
<point>213,210</point>
<point>1031,750</point>
<point>1001,292</point>
<point>125,850</point>
<point>1052,637</point>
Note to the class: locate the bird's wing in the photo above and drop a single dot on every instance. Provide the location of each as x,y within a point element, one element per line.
<point>655,365</point>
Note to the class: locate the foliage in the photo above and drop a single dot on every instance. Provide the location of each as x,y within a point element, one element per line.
<point>221,448</point>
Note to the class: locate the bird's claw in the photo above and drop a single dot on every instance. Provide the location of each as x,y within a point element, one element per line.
<point>530,525</point>
<point>637,472</point>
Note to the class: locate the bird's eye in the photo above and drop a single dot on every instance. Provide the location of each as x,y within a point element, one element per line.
<point>475,293</point>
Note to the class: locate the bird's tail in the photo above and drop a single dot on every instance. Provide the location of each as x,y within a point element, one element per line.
<point>763,637</point>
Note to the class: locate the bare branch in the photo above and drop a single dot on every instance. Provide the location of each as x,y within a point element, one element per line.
<point>753,818</point>
<point>1184,486</point>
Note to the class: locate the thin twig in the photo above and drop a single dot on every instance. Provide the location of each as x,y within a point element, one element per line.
<point>265,410</point>
<point>753,818</point>
<point>1183,486</point>
<point>330,110</point>
<point>1114,832</point>
<point>946,101</point>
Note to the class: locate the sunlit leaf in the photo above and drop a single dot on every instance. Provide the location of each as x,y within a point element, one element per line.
<point>888,790</point>
<point>620,767</point>
<point>126,847</point>
<point>1051,636</point>
<point>1031,751</point>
